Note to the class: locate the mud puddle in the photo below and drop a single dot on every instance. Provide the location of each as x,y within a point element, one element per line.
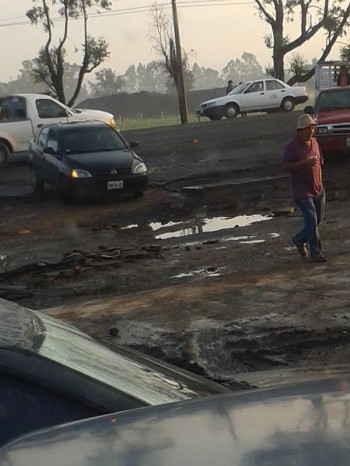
<point>203,272</point>
<point>160,230</point>
<point>220,350</point>
<point>77,257</point>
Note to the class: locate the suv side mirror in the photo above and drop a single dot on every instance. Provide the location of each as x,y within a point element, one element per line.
<point>133,144</point>
<point>50,150</point>
<point>309,109</point>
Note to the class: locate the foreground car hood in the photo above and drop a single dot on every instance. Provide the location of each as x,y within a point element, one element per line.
<point>333,116</point>
<point>257,427</point>
<point>101,160</point>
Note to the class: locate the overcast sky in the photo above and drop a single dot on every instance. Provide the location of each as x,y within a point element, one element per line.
<point>215,30</point>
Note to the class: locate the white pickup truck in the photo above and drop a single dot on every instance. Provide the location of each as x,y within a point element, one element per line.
<point>22,115</point>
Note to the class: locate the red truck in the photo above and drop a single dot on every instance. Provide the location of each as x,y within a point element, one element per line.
<point>331,109</point>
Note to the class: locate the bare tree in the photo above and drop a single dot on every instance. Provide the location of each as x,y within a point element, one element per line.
<point>50,63</point>
<point>164,45</point>
<point>315,16</point>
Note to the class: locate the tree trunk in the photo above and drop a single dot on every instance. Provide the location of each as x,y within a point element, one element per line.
<point>301,78</point>
<point>278,64</point>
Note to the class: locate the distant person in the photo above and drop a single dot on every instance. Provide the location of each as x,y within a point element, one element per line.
<point>229,86</point>
<point>343,78</point>
<point>302,158</point>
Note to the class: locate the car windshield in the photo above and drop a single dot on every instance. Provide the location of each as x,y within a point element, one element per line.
<point>333,100</point>
<point>91,139</point>
<point>240,88</point>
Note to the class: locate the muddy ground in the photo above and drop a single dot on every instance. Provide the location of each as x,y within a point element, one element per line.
<point>200,271</point>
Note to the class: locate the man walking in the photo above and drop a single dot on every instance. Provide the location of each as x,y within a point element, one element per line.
<point>302,158</point>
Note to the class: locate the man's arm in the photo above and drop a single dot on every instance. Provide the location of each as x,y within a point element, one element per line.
<point>295,166</point>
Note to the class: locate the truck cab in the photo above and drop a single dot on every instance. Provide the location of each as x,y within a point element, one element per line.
<point>332,115</point>
<point>22,115</point>
<point>332,107</point>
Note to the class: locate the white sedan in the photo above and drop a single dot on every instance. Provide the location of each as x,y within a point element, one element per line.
<point>262,95</point>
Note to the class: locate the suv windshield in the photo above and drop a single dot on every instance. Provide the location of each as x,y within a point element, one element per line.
<point>336,99</point>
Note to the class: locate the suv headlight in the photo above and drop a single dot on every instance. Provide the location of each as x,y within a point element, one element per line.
<point>80,173</point>
<point>112,122</point>
<point>139,167</point>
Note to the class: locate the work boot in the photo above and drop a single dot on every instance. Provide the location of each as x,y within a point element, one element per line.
<point>318,257</point>
<point>301,248</point>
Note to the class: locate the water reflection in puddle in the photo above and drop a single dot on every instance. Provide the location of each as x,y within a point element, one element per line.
<point>209,272</point>
<point>249,239</point>
<point>206,225</point>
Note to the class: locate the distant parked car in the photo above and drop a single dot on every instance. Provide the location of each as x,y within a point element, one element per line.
<point>52,373</point>
<point>85,160</point>
<point>262,95</point>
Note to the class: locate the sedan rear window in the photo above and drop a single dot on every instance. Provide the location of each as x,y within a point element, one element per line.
<point>89,139</point>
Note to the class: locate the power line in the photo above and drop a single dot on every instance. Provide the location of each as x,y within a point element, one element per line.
<point>134,10</point>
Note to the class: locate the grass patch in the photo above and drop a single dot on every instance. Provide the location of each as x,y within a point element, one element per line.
<point>146,123</point>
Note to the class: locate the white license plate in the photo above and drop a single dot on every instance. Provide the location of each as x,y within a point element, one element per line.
<point>118,184</point>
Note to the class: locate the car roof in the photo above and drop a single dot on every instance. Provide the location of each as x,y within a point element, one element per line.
<point>68,125</point>
<point>335,89</point>
<point>261,427</point>
<point>35,95</point>
<point>24,331</point>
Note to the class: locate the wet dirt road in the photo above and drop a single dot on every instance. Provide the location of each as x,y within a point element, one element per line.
<point>200,271</point>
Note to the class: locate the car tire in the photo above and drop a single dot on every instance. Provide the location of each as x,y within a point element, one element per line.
<point>4,154</point>
<point>37,183</point>
<point>288,104</point>
<point>231,111</point>
<point>64,192</point>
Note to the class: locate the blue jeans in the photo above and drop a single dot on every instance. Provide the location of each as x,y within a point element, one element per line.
<point>313,209</point>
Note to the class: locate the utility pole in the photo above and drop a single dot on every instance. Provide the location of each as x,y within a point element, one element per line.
<point>181,88</point>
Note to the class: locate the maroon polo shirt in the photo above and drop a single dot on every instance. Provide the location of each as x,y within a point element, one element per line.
<point>306,182</point>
